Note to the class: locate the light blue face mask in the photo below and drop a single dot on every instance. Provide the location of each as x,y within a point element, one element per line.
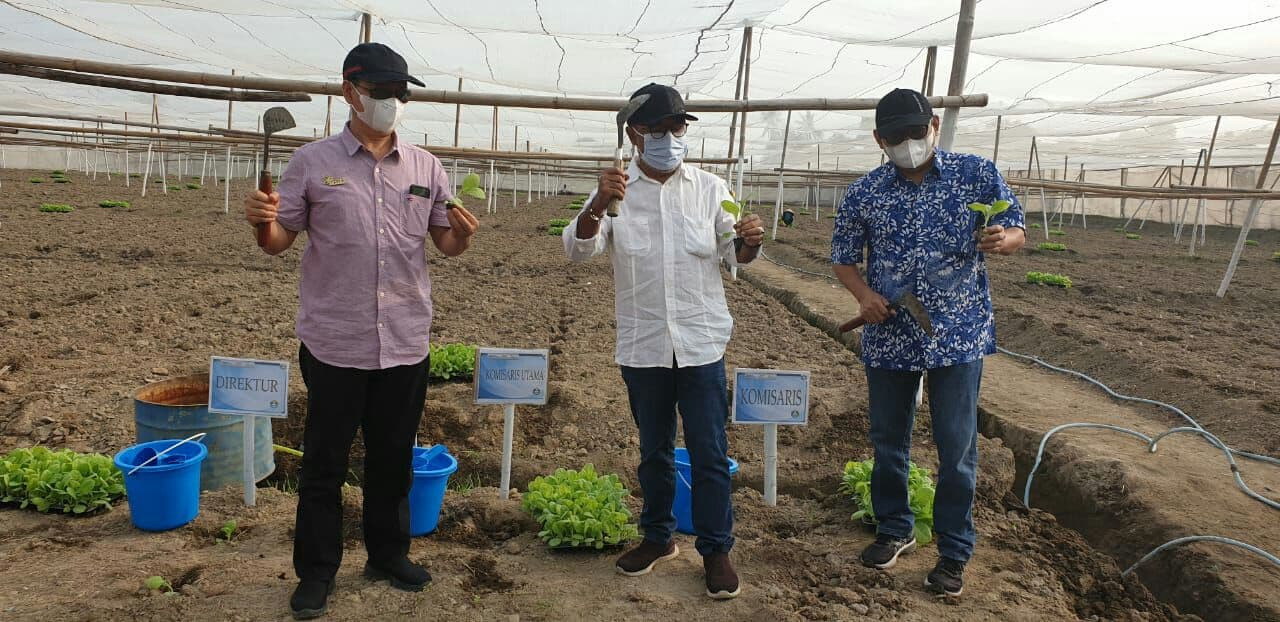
<point>664,154</point>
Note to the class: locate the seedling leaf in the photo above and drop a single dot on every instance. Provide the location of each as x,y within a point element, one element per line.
<point>731,207</point>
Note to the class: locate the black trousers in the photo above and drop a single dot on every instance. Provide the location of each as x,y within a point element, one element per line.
<point>387,405</point>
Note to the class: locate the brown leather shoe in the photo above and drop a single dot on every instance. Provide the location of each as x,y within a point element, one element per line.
<point>722,581</point>
<point>641,559</point>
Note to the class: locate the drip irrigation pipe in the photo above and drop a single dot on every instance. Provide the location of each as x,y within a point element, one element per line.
<point>1172,543</point>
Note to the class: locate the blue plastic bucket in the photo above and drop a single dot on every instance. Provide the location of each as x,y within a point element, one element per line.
<point>682,507</point>
<point>166,493</point>
<point>430,479</point>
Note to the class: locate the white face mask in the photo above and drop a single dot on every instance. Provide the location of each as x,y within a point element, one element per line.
<point>381,115</point>
<point>912,154</point>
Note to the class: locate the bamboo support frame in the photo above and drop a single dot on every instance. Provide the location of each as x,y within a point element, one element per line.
<point>1254,207</point>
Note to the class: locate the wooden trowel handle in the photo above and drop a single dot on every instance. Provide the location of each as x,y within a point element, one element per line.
<point>264,185</point>
<point>852,324</point>
<point>615,203</point>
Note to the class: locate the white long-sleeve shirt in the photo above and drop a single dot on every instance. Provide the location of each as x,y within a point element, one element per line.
<point>666,245</point>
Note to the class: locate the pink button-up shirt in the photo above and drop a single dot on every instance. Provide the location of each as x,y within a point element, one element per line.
<point>366,290</point>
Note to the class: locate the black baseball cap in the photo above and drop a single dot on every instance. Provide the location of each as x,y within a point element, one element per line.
<point>902,108</point>
<point>664,103</point>
<point>375,62</point>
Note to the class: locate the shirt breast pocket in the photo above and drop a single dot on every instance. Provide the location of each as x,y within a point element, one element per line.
<point>699,235</point>
<point>631,236</point>
<point>416,216</point>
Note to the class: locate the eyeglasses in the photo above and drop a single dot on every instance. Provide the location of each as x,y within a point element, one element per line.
<point>387,90</point>
<point>657,134</point>
<point>914,132</point>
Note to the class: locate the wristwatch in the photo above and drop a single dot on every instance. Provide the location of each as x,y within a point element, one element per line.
<point>592,216</point>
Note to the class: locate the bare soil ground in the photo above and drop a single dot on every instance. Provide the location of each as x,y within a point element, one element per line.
<point>100,301</point>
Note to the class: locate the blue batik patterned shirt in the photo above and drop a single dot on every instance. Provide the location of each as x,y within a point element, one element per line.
<point>921,239</point>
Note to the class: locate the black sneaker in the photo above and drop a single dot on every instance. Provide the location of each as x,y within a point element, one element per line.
<point>310,599</point>
<point>947,578</point>
<point>883,553</point>
<point>403,574</point>
<point>641,559</point>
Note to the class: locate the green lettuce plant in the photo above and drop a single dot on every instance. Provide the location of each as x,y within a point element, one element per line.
<point>63,480</point>
<point>1132,236</point>
<point>988,211</point>
<point>1044,278</point>
<point>124,204</point>
<point>470,188</point>
<point>56,208</point>
<point>580,509</point>
<point>1051,246</point>
<point>455,360</point>
<point>856,482</point>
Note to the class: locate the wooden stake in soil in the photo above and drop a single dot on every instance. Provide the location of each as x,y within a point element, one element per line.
<point>777,209</point>
<point>1254,207</point>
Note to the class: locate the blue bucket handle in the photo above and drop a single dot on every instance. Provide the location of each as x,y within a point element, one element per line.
<point>157,456</point>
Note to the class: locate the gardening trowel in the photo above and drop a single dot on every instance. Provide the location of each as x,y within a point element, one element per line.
<point>274,120</point>
<point>624,114</point>
<point>907,301</point>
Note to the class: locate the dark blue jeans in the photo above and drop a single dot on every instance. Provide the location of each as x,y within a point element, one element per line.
<point>703,399</point>
<point>953,402</point>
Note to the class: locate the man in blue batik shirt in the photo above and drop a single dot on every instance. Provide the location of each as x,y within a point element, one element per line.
<point>912,216</point>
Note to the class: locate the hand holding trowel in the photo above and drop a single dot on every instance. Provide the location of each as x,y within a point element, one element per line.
<point>624,114</point>
<point>274,120</point>
<point>906,301</point>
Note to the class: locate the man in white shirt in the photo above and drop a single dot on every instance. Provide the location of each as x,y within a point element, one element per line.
<point>673,325</point>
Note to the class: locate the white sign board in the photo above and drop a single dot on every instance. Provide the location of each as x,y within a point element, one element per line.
<point>507,376</point>
<point>770,396</point>
<point>248,387</point>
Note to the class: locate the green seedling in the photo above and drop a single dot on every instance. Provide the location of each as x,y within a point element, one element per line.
<point>61,180</point>
<point>175,188</point>
<point>456,360</point>
<point>1035,225</point>
<point>135,175</point>
<point>56,208</point>
<point>1051,246</point>
<point>193,186</point>
<point>988,211</point>
<point>58,172</point>
<point>157,582</point>
<point>1119,230</point>
<point>856,482</point>
<point>559,222</point>
<point>555,230</point>
<point>229,530</point>
<point>36,180</point>
<point>1275,256</point>
<point>63,480</point>
<point>831,216</point>
<point>470,188</point>
<point>580,509</point>
<point>1132,236</point>
<point>1044,278</point>
<point>1057,232</point>
<point>124,204</point>
<point>733,208</point>
<point>1250,242</point>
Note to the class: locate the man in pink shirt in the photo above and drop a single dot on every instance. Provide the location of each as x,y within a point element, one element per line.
<point>368,202</point>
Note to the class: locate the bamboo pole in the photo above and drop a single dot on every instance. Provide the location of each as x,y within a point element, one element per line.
<point>230,101</point>
<point>1254,207</point>
<point>746,93</point>
<point>611,104</point>
<point>1182,218</point>
<point>146,175</point>
<point>737,91</point>
<point>1044,207</point>
<point>139,86</point>
<point>328,116</point>
<point>930,69</point>
<point>777,209</point>
<point>959,64</point>
<point>995,155</point>
<point>1201,208</point>
<point>457,116</point>
<point>366,28</point>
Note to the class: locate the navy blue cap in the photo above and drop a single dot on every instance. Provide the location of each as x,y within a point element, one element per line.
<point>902,108</point>
<point>375,62</point>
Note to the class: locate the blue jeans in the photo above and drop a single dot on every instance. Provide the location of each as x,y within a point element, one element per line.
<point>703,399</point>
<point>953,402</point>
